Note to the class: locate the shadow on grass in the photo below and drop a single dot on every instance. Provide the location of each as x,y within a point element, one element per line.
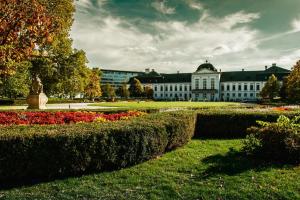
<point>236,162</point>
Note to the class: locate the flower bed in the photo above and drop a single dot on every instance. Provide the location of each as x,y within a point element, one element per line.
<point>43,118</point>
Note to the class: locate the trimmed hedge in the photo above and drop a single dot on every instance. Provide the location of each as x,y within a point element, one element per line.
<point>231,123</point>
<point>47,152</point>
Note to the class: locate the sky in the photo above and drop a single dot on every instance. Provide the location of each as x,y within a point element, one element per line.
<point>179,35</point>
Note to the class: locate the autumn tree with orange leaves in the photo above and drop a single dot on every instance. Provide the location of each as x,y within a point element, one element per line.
<point>24,26</point>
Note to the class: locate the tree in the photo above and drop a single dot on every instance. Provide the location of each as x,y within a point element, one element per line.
<point>149,92</point>
<point>123,91</point>
<point>293,83</point>
<point>271,88</point>
<point>283,89</point>
<point>136,89</point>
<point>108,91</point>
<point>24,26</point>
<point>93,88</point>
<point>17,85</point>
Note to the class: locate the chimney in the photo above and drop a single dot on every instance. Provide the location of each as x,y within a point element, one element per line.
<point>147,71</point>
<point>243,70</point>
<point>153,70</point>
<point>274,65</point>
<point>178,72</point>
<point>220,70</point>
<point>266,67</point>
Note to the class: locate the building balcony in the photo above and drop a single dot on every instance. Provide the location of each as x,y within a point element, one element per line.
<point>198,91</point>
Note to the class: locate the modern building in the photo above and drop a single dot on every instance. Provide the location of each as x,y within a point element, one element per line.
<point>117,77</point>
<point>209,84</point>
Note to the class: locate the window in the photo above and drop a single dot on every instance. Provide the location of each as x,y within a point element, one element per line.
<point>166,88</point>
<point>233,95</point>
<point>161,95</point>
<point>155,88</point>
<point>240,95</point>
<point>171,88</point>
<point>180,88</point>
<point>197,84</point>
<point>161,88</point>
<point>245,94</point>
<point>212,83</point>
<point>171,95</point>
<point>240,87</point>
<point>175,87</point>
<point>251,87</point>
<point>222,87</point>
<point>251,94</point>
<point>228,87</point>
<point>185,88</point>
<point>257,87</point>
<point>204,84</point>
<point>245,87</point>
<point>233,87</point>
<point>204,95</point>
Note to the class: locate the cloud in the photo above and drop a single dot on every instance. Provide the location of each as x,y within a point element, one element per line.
<point>160,6</point>
<point>195,5</point>
<point>296,25</point>
<point>113,42</point>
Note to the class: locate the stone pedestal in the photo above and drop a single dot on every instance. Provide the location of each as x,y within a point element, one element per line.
<point>37,101</point>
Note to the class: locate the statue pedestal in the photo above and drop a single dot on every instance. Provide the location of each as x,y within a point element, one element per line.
<point>37,101</point>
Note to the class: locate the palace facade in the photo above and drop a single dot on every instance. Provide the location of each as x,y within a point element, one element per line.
<point>209,84</point>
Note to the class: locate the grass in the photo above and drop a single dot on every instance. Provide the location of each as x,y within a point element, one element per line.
<point>203,169</point>
<point>165,104</point>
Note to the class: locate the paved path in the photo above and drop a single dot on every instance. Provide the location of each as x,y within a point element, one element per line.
<point>60,106</point>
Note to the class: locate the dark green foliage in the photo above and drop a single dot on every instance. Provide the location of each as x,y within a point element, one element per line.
<point>136,88</point>
<point>45,152</point>
<point>279,141</point>
<point>230,123</point>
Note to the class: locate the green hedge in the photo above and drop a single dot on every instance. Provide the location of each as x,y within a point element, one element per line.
<point>46,152</point>
<point>231,123</point>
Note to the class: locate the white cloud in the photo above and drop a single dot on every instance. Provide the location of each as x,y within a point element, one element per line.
<point>160,6</point>
<point>296,25</point>
<point>195,5</point>
<point>114,43</point>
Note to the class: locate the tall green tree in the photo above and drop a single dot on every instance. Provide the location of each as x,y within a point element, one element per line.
<point>123,91</point>
<point>108,91</point>
<point>271,88</point>
<point>62,69</point>
<point>93,88</point>
<point>136,89</point>
<point>18,84</point>
<point>293,83</point>
<point>149,92</point>
<point>283,88</point>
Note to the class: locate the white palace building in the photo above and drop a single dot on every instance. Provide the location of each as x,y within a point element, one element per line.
<point>209,84</point>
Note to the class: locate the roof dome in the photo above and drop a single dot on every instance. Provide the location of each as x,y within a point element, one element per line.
<point>208,66</point>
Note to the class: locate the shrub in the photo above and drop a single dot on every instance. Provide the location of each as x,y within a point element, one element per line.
<point>6,102</point>
<point>231,123</point>
<point>50,151</point>
<point>279,141</point>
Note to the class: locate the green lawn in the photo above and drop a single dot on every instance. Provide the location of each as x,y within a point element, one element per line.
<point>203,169</point>
<point>165,104</point>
